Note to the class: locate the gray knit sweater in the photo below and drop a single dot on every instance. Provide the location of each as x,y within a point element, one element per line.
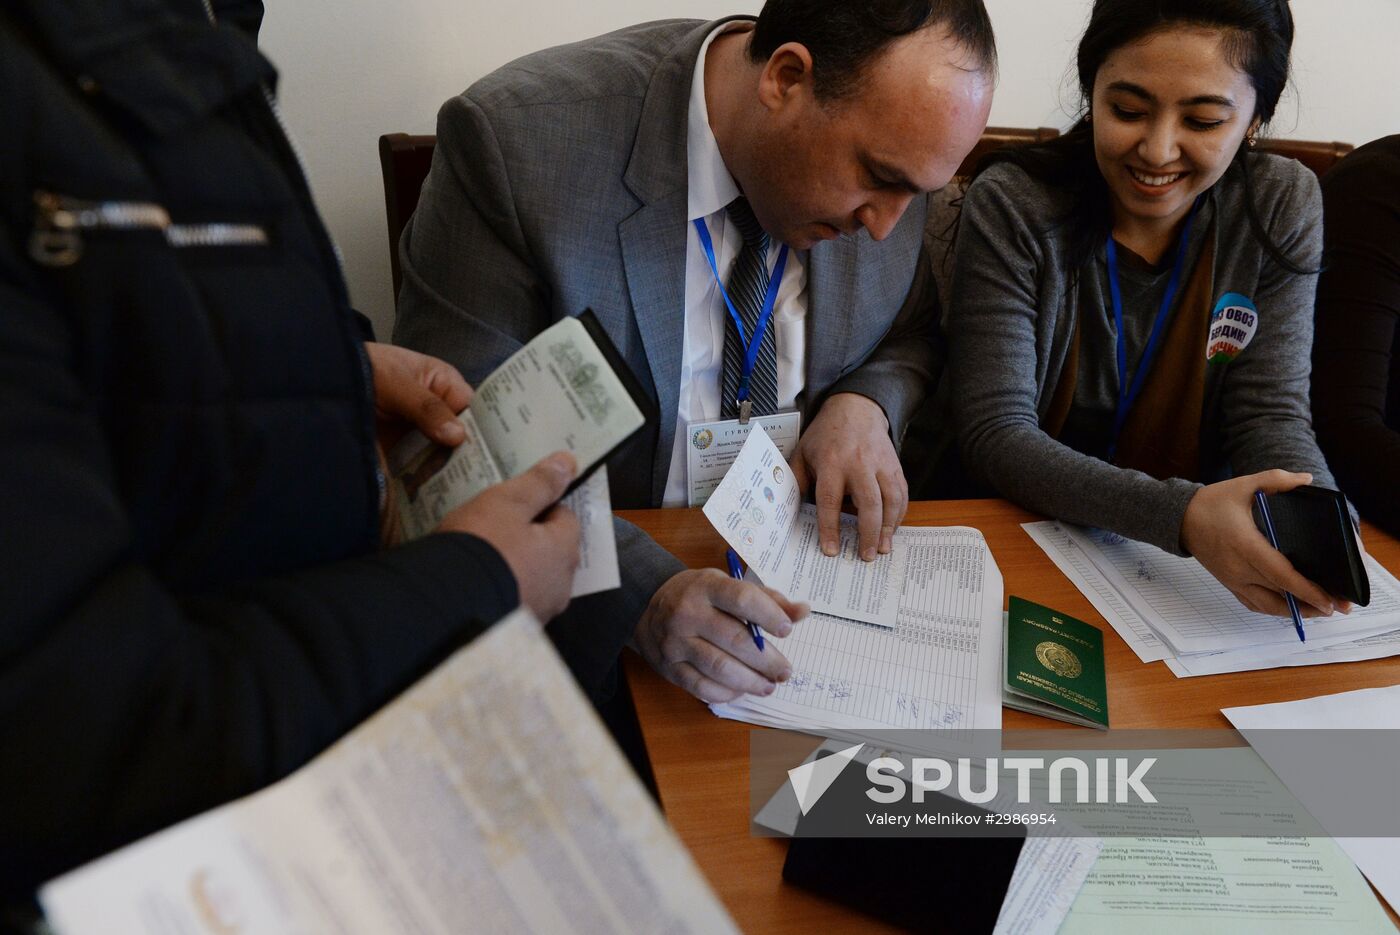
<point>1013,314</point>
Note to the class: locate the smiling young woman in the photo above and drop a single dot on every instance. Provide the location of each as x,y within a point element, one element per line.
<point>1172,112</point>
<point>1131,315</point>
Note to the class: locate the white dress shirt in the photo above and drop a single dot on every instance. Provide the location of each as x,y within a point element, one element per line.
<point>711,189</point>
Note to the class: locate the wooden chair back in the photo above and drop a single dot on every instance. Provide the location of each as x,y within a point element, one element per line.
<point>997,137</point>
<point>1317,156</point>
<point>404,160</point>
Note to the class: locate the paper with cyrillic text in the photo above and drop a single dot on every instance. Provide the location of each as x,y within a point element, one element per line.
<point>1365,709</point>
<point>758,510</point>
<point>488,797</point>
<point>711,448</point>
<point>1231,886</point>
<point>1189,878</point>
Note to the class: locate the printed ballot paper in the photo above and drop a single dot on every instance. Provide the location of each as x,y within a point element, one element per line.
<point>1259,885</point>
<point>758,510</point>
<point>487,798</point>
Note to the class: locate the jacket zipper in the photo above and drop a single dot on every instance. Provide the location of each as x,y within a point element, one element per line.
<point>381,482</point>
<point>57,238</point>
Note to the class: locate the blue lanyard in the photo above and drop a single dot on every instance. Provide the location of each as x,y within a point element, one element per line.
<point>1127,395</point>
<point>749,344</point>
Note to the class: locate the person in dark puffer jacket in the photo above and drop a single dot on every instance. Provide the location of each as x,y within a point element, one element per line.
<point>193,596</point>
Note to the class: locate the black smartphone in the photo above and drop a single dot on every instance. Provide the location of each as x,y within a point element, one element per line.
<point>1316,534</point>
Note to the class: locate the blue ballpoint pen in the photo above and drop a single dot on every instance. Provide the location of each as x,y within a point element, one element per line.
<point>1273,541</point>
<point>737,571</point>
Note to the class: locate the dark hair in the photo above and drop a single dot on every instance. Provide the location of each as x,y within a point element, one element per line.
<point>845,35</point>
<point>1258,38</point>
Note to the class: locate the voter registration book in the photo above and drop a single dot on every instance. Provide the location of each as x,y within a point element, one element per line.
<point>910,641</point>
<point>1054,665</point>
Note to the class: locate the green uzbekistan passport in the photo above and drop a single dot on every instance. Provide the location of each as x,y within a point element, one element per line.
<point>1054,665</point>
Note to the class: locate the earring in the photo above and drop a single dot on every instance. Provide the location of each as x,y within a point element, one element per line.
<point>1253,141</point>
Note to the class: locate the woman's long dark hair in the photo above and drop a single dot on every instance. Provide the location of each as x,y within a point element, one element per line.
<point>1258,39</point>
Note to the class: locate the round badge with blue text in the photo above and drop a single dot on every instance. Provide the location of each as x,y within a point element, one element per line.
<point>1233,324</point>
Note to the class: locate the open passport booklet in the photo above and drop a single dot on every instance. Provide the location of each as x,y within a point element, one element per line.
<point>569,388</point>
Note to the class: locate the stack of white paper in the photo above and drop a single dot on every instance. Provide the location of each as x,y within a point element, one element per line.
<point>1170,608</point>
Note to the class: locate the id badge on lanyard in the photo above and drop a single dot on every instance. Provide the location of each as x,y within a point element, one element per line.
<point>749,342</point>
<point>712,446</point>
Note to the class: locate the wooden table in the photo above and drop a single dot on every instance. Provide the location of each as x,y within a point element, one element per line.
<point>702,762</point>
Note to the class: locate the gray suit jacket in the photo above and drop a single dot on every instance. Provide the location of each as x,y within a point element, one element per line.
<point>559,183</point>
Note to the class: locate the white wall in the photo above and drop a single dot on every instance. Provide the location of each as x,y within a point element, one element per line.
<point>354,69</point>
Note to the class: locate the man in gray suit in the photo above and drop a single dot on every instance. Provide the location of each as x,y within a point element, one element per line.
<point>631,174</point>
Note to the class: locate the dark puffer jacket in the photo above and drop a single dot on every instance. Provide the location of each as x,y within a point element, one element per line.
<point>192,600</point>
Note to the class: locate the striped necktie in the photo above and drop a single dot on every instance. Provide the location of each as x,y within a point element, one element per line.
<point>747,286</point>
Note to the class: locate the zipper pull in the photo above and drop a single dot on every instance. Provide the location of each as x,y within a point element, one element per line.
<point>59,222</point>
<point>55,241</point>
